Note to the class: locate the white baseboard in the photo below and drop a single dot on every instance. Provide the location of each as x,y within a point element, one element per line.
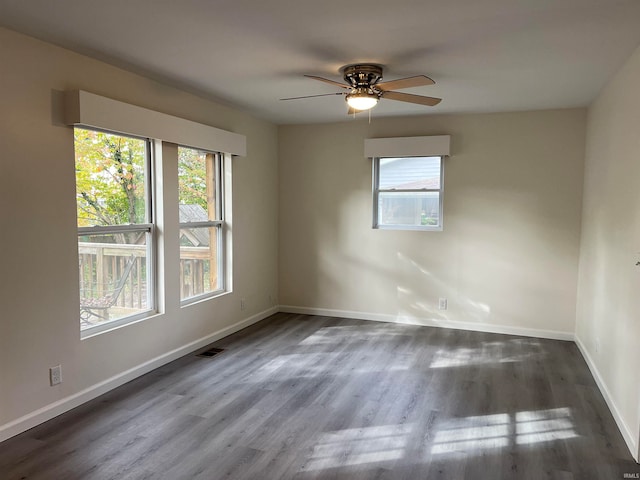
<point>632,442</point>
<point>52,410</point>
<point>411,320</point>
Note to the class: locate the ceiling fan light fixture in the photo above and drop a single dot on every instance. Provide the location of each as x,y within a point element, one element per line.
<point>364,89</point>
<point>362,99</point>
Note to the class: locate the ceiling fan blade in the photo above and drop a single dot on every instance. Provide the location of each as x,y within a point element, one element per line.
<point>326,80</point>
<point>407,97</point>
<point>417,81</point>
<point>312,96</point>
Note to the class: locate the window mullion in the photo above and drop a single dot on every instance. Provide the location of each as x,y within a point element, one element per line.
<point>219,187</point>
<point>103,229</point>
<point>211,223</point>
<point>412,190</point>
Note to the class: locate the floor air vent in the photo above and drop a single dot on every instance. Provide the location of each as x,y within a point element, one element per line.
<point>212,352</point>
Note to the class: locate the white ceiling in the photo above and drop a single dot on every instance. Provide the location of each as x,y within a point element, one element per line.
<point>485,55</point>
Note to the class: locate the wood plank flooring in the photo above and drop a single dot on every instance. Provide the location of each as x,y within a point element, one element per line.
<point>306,397</point>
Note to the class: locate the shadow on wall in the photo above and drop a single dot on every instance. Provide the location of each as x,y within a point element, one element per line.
<point>421,302</point>
<point>502,259</point>
<point>502,268</point>
<point>405,290</point>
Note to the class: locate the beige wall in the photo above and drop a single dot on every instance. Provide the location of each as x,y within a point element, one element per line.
<point>608,316</point>
<point>38,250</point>
<point>507,258</point>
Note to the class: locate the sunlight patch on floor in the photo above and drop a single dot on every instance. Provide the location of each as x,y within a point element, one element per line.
<point>490,352</point>
<point>338,334</point>
<point>357,446</point>
<point>473,435</point>
<point>478,433</point>
<point>310,365</point>
<point>469,445</point>
<point>544,426</point>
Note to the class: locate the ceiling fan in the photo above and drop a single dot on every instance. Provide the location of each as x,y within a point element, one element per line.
<point>364,89</point>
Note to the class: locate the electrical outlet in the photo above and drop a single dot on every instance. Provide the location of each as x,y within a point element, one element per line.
<point>442,303</point>
<point>243,304</point>
<point>55,375</point>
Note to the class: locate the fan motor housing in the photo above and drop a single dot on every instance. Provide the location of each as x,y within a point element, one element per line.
<point>362,75</point>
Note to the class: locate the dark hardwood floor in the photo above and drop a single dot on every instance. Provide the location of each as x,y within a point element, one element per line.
<point>302,397</point>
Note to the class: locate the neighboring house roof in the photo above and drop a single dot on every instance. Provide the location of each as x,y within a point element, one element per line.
<point>192,213</point>
<point>198,237</point>
<point>407,173</point>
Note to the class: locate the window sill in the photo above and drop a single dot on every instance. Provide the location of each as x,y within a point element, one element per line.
<point>409,227</point>
<point>116,324</point>
<point>203,298</point>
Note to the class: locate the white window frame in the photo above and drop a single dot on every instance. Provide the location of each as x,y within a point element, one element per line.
<point>377,190</point>
<point>148,228</point>
<point>219,224</point>
<point>88,110</point>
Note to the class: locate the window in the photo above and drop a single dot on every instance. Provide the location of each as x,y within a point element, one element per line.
<point>408,193</point>
<point>115,228</point>
<point>201,211</point>
<point>118,236</point>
